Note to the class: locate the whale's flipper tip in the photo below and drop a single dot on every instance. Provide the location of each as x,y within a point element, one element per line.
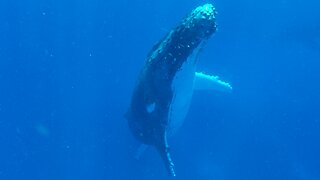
<point>170,164</point>
<point>163,149</point>
<point>165,154</point>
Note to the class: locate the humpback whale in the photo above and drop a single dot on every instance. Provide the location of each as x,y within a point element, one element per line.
<point>164,88</point>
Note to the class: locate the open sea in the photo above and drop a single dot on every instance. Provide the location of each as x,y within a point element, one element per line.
<point>68,69</point>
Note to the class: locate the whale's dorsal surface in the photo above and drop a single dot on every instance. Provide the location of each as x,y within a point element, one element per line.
<point>164,87</point>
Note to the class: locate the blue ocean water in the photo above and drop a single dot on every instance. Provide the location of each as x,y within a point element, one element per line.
<point>68,68</point>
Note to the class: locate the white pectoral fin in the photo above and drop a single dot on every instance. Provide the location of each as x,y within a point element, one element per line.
<point>204,81</point>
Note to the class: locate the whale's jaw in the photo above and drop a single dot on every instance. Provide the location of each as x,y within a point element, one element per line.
<point>150,110</point>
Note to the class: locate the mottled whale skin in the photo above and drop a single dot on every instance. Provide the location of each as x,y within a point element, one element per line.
<point>150,113</point>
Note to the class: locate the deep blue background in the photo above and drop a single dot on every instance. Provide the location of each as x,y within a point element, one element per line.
<point>67,70</point>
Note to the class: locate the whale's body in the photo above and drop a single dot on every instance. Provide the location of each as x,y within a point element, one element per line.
<point>163,92</point>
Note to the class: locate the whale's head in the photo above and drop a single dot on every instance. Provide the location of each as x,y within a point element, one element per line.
<point>201,22</point>
<point>175,48</point>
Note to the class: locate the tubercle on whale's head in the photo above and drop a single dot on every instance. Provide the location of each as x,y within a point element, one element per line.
<point>206,11</point>
<point>202,20</point>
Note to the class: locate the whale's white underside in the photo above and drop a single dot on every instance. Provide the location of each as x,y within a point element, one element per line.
<point>184,83</point>
<point>182,88</point>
